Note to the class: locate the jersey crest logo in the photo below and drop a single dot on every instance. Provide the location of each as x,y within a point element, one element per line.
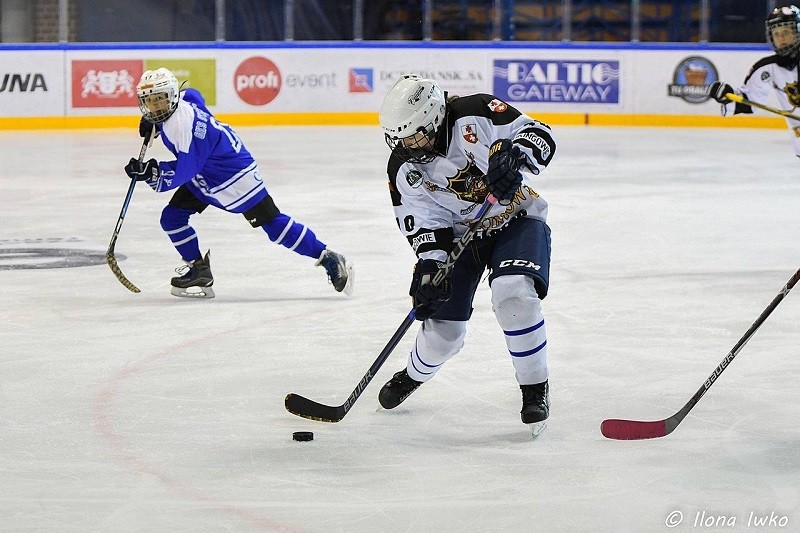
<point>498,106</point>
<point>468,184</point>
<point>793,93</point>
<point>469,133</point>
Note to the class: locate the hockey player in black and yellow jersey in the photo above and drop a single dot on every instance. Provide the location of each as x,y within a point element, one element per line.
<point>775,76</point>
<point>448,155</point>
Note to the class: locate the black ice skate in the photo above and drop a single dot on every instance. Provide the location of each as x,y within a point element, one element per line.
<point>196,279</point>
<point>397,389</point>
<point>340,272</point>
<point>535,406</point>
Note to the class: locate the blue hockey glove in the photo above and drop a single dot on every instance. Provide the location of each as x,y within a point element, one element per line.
<point>147,171</point>
<point>426,297</point>
<point>503,177</point>
<point>718,90</point>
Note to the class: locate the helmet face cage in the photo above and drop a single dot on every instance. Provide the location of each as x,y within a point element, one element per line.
<point>412,113</point>
<point>784,17</point>
<point>416,148</point>
<point>158,94</point>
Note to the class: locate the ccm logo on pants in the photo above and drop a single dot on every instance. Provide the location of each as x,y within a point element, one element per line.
<point>519,263</point>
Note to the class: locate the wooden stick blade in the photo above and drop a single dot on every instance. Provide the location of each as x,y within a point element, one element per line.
<point>112,263</point>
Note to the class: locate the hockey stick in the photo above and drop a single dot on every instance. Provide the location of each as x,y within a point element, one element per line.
<point>741,100</point>
<point>635,430</point>
<point>110,259</point>
<point>303,407</point>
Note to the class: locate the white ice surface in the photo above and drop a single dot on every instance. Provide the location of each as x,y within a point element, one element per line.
<point>146,412</point>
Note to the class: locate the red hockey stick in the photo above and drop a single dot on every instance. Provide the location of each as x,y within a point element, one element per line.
<point>615,428</point>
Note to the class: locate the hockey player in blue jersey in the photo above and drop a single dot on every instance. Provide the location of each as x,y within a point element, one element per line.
<point>447,155</point>
<point>212,167</point>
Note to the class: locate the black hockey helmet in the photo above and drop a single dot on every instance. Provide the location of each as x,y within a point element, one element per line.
<point>789,18</point>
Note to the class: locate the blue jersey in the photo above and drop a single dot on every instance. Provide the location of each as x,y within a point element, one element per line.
<point>210,158</point>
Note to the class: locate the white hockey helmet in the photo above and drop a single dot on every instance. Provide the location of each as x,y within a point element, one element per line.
<point>412,112</point>
<point>158,93</point>
<point>784,17</point>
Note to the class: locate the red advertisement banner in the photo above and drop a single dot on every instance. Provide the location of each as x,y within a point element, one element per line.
<point>105,82</point>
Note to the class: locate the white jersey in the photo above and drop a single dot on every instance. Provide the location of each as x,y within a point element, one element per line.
<point>772,77</point>
<point>434,203</point>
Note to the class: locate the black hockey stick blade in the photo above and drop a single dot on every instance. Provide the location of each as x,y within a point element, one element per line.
<point>620,429</point>
<point>303,407</point>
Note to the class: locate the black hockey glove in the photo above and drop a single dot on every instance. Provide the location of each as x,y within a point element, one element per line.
<point>147,171</point>
<point>145,127</point>
<point>503,177</point>
<point>426,297</point>
<point>718,90</point>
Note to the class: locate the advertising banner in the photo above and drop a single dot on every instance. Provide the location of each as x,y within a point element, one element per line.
<point>200,74</point>
<point>556,81</point>
<point>32,84</point>
<point>289,79</point>
<point>105,82</point>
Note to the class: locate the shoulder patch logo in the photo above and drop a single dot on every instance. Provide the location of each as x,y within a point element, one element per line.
<point>498,106</point>
<point>414,178</point>
<point>469,133</point>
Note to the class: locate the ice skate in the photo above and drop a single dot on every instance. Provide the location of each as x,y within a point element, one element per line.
<point>535,406</point>
<point>196,279</point>
<point>397,390</point>
<point>339,270</point>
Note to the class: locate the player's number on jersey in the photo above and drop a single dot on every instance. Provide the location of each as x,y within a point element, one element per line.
<point>236,142</point>
<point>408,223</point>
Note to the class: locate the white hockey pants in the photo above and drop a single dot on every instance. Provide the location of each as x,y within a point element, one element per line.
<point>519,312</point>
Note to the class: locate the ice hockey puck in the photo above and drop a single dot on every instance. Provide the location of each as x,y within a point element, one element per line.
<point>303,436</point>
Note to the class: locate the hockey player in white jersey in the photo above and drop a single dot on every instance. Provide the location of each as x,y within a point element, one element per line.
<point>773,76</point>
<point>448,154</point>
<point>213,167</point>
